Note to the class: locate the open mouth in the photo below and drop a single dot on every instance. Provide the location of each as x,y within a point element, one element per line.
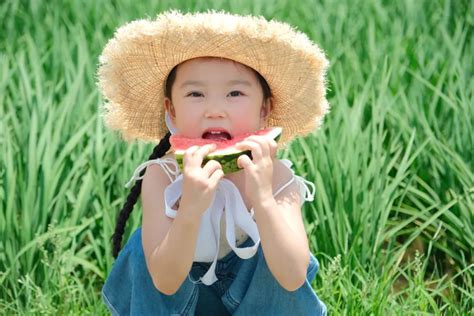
<point>216,135</point>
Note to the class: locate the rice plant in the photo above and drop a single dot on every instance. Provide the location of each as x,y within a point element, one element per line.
<point>392,223</point>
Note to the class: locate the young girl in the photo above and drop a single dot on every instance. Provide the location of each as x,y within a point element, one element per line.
<point>213,244</point>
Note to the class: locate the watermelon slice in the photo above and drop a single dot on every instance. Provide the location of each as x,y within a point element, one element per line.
<point>226,154</point>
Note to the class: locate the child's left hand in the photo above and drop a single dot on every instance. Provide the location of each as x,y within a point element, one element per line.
<point>259,171</point>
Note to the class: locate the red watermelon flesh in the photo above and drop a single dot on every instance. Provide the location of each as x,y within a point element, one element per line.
<point>183,143</point>
<point>225,151</point>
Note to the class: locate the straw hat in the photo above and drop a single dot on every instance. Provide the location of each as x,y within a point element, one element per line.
<point>135,63</point>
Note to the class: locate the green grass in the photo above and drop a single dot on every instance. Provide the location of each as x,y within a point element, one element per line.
<point>392,223</point>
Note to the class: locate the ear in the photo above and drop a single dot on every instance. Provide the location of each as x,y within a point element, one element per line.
<point>170,109</point>
<point>266,109</point>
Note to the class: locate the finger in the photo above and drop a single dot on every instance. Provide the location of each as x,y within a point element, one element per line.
<point>211,166</point>
<point>215,177</point>
<point>200,153</point>
<point>203,151</point>
<point>273,148</point>
<point>263,141</point>
<point>188,154</point>
<point>244,162</point>
<point>253,146</point>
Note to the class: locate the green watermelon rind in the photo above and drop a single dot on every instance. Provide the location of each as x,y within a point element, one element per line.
<point>227,161</point>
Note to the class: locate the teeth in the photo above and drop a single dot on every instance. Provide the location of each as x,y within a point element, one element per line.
<point>216,134</point>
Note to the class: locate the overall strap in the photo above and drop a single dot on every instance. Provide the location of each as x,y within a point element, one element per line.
<point>163,162</point>
<point>306,193</point>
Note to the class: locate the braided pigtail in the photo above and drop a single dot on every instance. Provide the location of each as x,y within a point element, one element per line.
<point>158,152</point>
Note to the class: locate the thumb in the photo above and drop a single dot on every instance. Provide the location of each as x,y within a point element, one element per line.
<point>244,161</point>
<point>216,177</point>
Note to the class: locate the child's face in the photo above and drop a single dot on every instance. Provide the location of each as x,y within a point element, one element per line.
<point>216,93</point>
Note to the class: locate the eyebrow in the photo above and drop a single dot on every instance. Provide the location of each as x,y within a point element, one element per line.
<point>200,83</point>
<point>191,83</point>
<point>242,82</point>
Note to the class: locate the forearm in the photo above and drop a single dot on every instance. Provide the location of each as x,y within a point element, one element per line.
<point>172,261</point>
<point>287,256</point>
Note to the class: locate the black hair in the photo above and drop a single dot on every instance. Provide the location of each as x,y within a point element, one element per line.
<point>158,152</point>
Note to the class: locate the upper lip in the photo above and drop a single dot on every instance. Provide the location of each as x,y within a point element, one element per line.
<point>216,129</point>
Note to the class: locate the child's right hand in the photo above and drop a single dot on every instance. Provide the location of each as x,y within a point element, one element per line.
<point>199,183</point>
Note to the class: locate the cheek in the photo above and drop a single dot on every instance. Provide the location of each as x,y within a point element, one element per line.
<point>187,113</point>
<point>186,120</point>
<point>249,118</point>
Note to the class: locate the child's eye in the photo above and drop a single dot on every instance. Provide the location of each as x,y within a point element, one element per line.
<point>235,93</point>
<point>194,94</point>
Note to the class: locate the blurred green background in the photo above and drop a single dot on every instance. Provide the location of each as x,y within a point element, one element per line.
<point>392,223</point>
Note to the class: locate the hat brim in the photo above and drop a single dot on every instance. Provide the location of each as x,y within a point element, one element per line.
<point>135,63</point>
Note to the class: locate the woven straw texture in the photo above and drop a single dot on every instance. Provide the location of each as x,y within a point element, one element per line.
<point>135,63</point>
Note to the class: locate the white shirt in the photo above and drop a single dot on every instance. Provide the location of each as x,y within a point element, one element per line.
<point>236,221</point>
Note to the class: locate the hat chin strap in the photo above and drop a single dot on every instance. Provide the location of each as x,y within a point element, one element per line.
<point>169,124</point>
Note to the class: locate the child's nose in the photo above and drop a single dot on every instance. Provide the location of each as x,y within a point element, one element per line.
<point>215,110</point>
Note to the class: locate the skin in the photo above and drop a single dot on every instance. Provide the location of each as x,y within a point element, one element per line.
<point>227,94</point>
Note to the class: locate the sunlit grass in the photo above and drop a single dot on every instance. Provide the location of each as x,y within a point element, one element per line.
<point>392,223</point>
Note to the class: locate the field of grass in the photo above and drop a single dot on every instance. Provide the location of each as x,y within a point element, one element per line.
<point>392,223</point>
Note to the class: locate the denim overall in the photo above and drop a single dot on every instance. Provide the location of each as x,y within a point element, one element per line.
<point>244,287</point>
<point>236,284</point>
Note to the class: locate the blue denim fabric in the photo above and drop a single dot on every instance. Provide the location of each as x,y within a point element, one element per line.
<point>245,287</point>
